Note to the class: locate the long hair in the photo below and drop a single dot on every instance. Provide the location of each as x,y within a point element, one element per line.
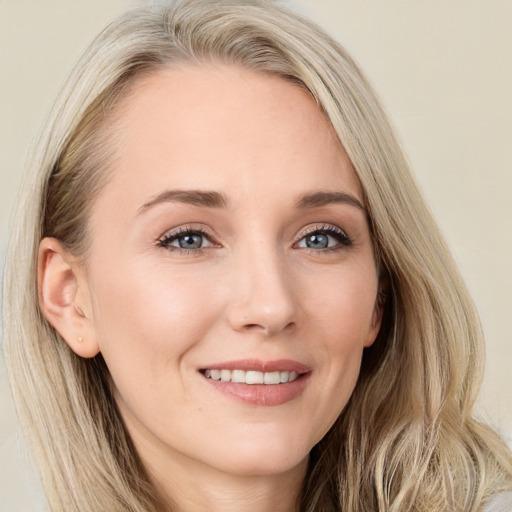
<point>406,440</point>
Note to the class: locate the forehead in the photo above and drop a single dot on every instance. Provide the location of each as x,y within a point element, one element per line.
<point>216,126</point>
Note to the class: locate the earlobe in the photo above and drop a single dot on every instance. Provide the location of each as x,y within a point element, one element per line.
<point>61,287</point>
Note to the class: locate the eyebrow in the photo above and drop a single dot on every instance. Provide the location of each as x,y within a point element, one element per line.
<point>212,199</point>
<point>318,199</point>
<point>208,199</point>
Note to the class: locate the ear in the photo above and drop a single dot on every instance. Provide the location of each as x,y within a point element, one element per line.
<point>64,297</point>
<point>378,312</point>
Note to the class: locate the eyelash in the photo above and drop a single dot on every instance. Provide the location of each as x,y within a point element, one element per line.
<point>165,241</point>
<point>330,230</point>
<point>327,229</point>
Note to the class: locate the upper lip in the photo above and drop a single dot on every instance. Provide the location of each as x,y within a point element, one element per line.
<point>282,365</point>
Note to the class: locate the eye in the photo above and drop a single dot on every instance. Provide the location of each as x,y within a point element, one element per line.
<point>186,239</point>
<point>326,237</point>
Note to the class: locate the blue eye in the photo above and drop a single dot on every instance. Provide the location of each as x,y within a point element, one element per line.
<point>187,239</point>
<point>317,241</point>
<point>328,237</point>
<point>191,241</point>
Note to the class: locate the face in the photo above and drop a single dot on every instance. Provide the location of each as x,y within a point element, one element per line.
<point>230,243</point>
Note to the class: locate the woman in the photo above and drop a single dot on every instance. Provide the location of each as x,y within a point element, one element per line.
<point>242,302</point>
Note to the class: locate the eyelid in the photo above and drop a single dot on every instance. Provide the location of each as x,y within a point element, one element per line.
<point>172,234</point>
<point>331,229</point>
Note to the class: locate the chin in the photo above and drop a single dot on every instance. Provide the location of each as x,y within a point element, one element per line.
<point>272,456</point>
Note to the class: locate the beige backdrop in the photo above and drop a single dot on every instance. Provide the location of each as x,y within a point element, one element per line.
<point>444,72</point>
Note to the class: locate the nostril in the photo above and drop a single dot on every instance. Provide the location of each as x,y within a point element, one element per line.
<point>269,329</point>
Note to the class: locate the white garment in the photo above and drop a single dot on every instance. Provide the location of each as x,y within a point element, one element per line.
<point>501,502</point>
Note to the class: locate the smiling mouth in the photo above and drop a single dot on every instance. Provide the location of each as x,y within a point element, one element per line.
<point>258,383</point>
<point>251,377</point>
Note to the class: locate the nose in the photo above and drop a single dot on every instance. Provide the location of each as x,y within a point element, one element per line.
<point>263,300</point>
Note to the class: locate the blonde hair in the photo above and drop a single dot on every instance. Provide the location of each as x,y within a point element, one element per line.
<point>407,440</point>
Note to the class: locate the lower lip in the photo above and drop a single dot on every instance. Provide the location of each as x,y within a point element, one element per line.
<point>262,394</point>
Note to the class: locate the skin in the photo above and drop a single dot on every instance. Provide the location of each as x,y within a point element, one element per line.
<point>255,290</point>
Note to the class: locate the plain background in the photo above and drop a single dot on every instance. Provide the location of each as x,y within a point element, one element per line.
<point>444,72</point>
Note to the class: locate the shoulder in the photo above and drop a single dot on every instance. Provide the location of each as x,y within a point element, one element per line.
<point>500,502</point>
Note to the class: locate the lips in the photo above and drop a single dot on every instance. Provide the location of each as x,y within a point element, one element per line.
<point>252,377</point>
<point>263,383</point>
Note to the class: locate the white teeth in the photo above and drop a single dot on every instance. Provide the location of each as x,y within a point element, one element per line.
<point>271,378</point>
<point>252,376</point>
<point>238,376</point>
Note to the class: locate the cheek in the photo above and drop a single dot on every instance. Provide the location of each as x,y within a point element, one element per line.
<point>342,305</point>
<point>147,323</point>
<point>339,325</point>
